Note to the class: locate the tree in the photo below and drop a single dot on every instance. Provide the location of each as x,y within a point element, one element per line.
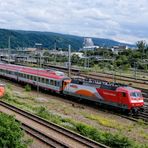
<point>141,46</point>
<point>10,132</point>
<point>75,59</point>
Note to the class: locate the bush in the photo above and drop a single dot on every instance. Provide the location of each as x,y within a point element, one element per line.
<point>8,95</point>
<point>109,139</point>
<point>11,134</point>
<point>27,88</point>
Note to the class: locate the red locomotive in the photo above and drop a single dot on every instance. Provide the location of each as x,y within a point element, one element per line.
<point>112,94</point>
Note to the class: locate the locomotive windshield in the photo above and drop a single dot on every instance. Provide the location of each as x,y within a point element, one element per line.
<point>135,94</point>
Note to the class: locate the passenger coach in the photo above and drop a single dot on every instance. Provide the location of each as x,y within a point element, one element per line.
<point>47,79</point>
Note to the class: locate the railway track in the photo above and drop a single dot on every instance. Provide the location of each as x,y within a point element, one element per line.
<point>49,141</point>
<point>144,115</point>
<point>47,132</point>
<point>99,74</point>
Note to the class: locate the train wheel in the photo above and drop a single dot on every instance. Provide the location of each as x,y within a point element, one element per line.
<point>135,111</point>
<point>129,112</point>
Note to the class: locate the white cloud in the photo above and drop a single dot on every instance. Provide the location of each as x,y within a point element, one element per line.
<point>115,19</point>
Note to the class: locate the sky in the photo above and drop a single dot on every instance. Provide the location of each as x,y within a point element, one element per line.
<point>121,20</point>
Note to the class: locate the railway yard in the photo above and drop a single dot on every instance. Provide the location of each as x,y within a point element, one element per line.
<point>73,74</point>
<point>69,114</point>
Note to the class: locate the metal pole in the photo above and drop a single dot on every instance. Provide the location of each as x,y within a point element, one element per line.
<point>9,50</point>
<point>69,59</point>
<point>55,47</point>
<point>115,77</point>
<point>37,83</point>
<point>88,62</point>
<point>135,70</point>
<point>85,59</point>
<point>40,60</point>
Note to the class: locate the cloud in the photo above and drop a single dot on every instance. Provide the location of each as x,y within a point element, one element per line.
<point>115,19</point>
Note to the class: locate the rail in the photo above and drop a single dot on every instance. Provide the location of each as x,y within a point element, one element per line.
<point>65,132</point>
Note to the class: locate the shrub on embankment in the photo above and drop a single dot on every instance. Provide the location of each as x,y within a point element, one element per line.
<point>11,134</point>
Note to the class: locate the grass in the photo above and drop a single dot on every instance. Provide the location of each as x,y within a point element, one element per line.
<point>107,122</point>
<point>116,139</point>
<point>104,121</point>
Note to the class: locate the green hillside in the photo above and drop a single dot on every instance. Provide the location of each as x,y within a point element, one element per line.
<point>29,38</point>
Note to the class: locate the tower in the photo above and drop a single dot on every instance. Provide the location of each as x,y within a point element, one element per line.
<point>88,42</point>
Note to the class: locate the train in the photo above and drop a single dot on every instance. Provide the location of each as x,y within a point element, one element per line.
<point>111,94</point>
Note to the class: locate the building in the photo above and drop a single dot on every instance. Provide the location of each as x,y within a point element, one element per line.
<point>79,54</point>
<point>88,44</point>
<point>120,48</point>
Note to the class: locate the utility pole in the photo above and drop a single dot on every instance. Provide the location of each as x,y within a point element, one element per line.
<point>40,60</point>
<point>135,68</point>
<point>55,47</point>
<point>38,47</point>
<point>85,62</point>
<point>88,62</point>
<point>69,59</point>
<point>9,46</point>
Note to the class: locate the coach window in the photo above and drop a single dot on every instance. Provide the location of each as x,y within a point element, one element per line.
<point>42,80</point>
<point>27,76</point>
<point>39,79</point>
<point>123,94</point>
<point>54,83</point>
<point>51,82</point>
<point>57,83</point>
<point>34,78</point>
<point>31,77</point>
<point>46,81</point>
